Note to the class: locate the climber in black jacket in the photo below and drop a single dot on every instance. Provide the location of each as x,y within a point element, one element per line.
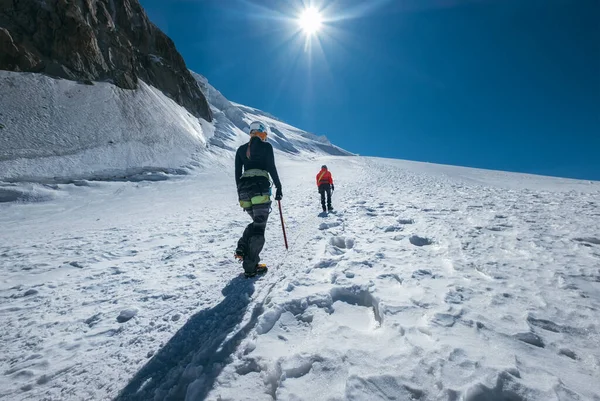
<point>254,162</point>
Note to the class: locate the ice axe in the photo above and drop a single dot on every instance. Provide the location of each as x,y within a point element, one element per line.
<point>282,225</point>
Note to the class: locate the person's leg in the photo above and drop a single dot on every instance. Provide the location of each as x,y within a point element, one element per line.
<point>256,240</point>
<point>322,192</point>
<point>329,199</point>
<point>242,244</point>
<point>245,196</point>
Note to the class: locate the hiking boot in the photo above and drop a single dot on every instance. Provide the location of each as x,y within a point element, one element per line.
<point>261,268</point>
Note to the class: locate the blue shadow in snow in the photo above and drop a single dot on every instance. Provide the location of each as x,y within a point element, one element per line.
<point>198,351</point>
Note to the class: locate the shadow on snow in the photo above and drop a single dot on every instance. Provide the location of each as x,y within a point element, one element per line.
<point>198,351</point>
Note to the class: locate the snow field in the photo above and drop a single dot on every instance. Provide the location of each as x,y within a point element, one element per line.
<point>414,295</point>
<point>428,283</point>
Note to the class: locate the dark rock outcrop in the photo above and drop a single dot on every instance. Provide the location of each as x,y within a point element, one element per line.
<point>91,40</point>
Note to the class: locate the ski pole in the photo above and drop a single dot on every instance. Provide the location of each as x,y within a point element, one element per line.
<point>282,225</point>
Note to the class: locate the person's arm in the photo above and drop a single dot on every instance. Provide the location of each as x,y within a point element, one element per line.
<point>271,168</point>
<point>238,167</point>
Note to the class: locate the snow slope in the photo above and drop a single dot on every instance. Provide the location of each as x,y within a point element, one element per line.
<point>59,130</point>
<point>55,130</point>
<point>430,283</point>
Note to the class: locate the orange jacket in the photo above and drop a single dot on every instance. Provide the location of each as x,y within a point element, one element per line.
<point>324,177</point>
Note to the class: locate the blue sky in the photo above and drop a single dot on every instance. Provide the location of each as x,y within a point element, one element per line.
<point>499,84</point>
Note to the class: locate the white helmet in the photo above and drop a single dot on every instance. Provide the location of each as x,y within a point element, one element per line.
<point>257,127</point>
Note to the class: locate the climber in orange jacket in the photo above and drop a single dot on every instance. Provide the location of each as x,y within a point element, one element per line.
<point>325,185</point>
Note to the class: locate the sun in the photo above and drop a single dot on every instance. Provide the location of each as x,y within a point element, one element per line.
<point>310,21</point>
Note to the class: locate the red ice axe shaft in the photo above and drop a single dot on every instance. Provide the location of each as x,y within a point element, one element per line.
<point>282,225</point>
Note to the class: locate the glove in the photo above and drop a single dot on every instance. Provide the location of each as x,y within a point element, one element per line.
<point>332,187</point>
<point>278,194</point>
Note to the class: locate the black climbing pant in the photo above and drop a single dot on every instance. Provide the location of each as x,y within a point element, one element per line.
<point>255,199</point>
<point>325,189</point>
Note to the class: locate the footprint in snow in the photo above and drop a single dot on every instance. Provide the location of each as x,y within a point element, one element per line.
<point>420,241</point>
<point>530,338</point>
<point>421,273</point>
<point>393,228</point>
<point>126,315</point>
<point>588,241</point>
<point>30,292</point>
<point>325,263</point>
<point>362,263</point>
<point>568,353</point>
<point>369,211</point>
<point>76,264</point>
<point>405,221</point>
<point>458,295</point>
<point>391,276</point>
<point>505,381</point>
<point>325,226</point>
<point>91,321</point>
<point>359,297</point>
<point>338,298</point>
<point>549,325</point>
<point>116,270</point>
<point>342,242</point>
<point>544,324</point>
<point>445,319</point>
<point>500,227</point>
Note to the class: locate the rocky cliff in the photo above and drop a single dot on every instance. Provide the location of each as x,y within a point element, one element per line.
<point>91,40</point>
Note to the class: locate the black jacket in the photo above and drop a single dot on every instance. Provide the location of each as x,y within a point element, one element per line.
<point>261,158</point>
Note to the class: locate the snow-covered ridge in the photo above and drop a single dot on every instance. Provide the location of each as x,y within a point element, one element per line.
<point>232,120</point>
